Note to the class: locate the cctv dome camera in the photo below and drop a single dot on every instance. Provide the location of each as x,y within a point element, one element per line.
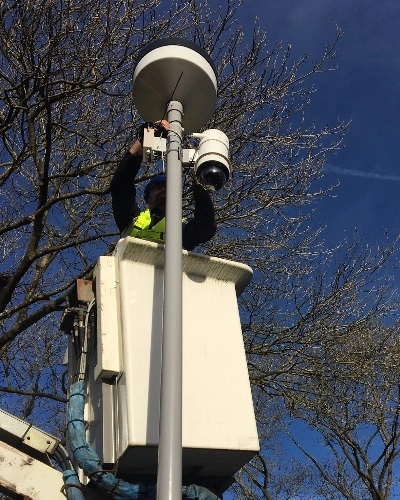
<point>212,174</point>
<point>212,164</point>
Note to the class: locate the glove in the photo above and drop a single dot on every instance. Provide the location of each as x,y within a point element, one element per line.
<point>159,130</point>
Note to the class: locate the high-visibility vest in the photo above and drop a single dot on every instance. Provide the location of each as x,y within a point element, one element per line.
<point>140,228</point>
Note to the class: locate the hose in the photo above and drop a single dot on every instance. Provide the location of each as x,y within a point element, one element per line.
<point>89,461</point>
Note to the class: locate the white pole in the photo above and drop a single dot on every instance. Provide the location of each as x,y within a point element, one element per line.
<point>169,479</point>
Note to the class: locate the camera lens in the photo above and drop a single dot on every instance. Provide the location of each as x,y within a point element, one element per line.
<point>212,175</point>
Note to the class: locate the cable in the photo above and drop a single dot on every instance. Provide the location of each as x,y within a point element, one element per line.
<point>83,358</point>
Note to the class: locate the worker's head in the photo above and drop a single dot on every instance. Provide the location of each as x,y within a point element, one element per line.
<point>155,192</point>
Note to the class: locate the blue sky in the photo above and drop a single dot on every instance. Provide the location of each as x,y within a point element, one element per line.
<point>363,89</point>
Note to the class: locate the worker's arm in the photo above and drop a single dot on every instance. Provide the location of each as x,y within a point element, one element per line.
<point>202,227</point>
<point>123,189</point>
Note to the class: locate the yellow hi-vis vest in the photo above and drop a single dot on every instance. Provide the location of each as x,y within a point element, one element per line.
<point>140,228</point>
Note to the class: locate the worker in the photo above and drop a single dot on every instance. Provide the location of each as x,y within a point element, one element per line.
<point>149,224</point>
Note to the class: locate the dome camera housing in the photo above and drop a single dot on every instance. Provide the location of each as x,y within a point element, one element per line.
<point>212,174</point>
<point>212,161</point>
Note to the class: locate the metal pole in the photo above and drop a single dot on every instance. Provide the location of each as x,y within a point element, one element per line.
<point>169,479</point>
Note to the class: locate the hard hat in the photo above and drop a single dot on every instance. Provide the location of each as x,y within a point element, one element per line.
<point>158,179</point>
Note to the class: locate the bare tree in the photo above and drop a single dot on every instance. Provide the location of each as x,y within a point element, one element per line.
<point>65,110</point>
<point>33,376</point>
<point>354,406</point>
<point>332,375</point>
<point>66,116</point>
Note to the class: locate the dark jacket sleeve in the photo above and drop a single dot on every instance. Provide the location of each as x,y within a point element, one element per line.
<point>123,191</point>
<point>202,227</point>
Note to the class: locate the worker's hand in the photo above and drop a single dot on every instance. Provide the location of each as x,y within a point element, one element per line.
<point>161,128</point>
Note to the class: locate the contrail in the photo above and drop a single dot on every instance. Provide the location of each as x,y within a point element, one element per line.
<point>359,173</point>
